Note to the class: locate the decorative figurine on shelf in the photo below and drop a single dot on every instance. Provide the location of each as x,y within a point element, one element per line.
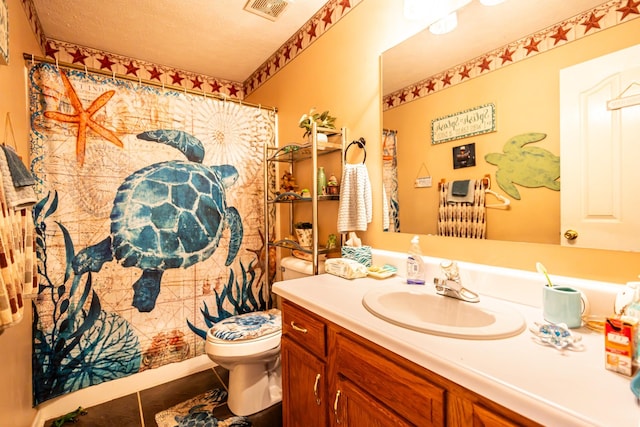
<point>322,182</point>
<point>305,193</point>
<point>288,184</point>
<point>333,188</point>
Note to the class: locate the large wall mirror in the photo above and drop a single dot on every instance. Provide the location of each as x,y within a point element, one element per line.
<point>509,57</point>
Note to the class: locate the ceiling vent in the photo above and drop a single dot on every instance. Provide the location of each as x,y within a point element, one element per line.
<point>269,9</point>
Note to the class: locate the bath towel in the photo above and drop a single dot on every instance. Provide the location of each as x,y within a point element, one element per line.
<point>453,197</point>
<point>355,210</point>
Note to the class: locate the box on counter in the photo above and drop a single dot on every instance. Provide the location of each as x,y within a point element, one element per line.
<point>620,344</point>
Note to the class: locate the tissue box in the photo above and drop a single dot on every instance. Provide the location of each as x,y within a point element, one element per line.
<point>620,344</point>
<point>361,254</point>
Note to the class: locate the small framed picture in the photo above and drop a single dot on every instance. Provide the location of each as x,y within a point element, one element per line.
<point>464,156</point>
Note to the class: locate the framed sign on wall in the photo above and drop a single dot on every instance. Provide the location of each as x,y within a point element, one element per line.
<point>474,121</point>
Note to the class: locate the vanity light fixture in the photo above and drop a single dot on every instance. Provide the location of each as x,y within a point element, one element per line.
<point>416,9</point>
<point>444,25</point>
<point>430,11</point>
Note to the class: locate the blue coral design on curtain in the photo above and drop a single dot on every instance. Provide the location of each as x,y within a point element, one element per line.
<point>148,227</point>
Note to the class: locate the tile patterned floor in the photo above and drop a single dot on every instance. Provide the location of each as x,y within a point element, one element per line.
<point>139,409</point>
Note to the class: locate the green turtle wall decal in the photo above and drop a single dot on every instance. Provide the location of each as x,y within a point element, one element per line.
<point>527,166</point>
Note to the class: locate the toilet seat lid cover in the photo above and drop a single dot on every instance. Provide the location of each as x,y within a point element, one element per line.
<point>248,326</point>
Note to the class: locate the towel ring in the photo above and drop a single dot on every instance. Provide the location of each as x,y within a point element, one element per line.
<point>360,143</point>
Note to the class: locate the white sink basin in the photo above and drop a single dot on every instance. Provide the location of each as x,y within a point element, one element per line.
<point>420,308</point>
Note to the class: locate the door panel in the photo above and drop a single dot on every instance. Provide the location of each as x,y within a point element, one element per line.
<point>600,173</point>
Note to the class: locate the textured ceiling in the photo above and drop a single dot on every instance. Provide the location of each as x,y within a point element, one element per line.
<point>212,37</point>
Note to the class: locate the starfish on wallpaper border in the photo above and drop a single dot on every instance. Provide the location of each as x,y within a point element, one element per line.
<point>84,118</point>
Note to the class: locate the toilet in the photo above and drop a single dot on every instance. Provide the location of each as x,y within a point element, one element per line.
<point>248,346</point>
<point>294,268</point>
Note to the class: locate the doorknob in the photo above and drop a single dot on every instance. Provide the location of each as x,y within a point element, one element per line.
<point>571,234</point>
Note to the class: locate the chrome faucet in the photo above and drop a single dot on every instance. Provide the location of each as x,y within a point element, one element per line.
<point>451,286</point>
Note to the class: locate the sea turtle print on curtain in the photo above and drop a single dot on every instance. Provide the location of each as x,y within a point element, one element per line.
<point>167,215</point>
<point>149,227</point>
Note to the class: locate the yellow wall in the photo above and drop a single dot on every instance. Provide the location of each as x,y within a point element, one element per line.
<point>340,72</point>
<point>521,107</point>
<point>15,342</point>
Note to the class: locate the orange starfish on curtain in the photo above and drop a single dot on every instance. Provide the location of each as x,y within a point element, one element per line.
<point>84,118</point>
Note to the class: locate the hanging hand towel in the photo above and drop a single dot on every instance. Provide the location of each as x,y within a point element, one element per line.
<point>17,197</point>
<point>354,212</point>
<point>19,173</point>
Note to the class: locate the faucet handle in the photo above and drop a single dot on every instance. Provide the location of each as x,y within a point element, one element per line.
<point>450,270</point>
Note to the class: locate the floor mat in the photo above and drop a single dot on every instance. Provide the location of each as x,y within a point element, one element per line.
<point>200,411</point>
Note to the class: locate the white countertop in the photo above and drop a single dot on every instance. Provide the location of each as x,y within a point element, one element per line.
<point>548,386</point>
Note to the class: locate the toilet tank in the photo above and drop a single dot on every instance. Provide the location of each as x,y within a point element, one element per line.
<point>294,268</point>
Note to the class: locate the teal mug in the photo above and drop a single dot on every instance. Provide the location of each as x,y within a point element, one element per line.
<point>563,304</point>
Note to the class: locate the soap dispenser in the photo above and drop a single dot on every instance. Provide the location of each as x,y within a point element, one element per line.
<point>415,264</point>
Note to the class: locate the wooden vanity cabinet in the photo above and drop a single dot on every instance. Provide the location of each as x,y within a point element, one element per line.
<point>333,377</point>
<point>304,379</point>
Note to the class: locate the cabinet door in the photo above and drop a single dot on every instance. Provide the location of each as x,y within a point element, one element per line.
<point>485,418</point>
<point>303,387</point>
<point>354,408</point>
<point>385,380</point>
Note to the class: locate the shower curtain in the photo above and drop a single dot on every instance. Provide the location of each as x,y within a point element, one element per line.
<point>391,219</point>
<point>149,223</point>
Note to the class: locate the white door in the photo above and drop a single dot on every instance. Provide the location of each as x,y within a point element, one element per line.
<point>600,152</point>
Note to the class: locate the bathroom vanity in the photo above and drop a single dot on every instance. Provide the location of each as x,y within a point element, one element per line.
<point>343,365</point>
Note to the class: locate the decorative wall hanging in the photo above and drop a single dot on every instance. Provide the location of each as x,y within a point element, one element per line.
<point>423,179</point>
<point>148,225</point>
<point>4,33</point>
<point>625,99</point>
<point>474,121</point>
<point>527,166</point>
<point>464,156</point>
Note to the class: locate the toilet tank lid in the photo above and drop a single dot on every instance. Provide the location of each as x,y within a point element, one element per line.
<point>300,265</point>
<point>248,326</point>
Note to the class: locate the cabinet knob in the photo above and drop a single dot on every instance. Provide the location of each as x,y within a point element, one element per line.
<point>571,234</point>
